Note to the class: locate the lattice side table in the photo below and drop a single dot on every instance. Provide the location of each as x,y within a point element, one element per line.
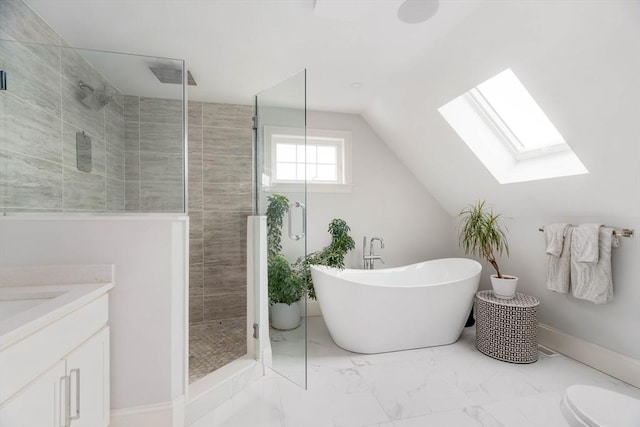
<point>507,329</point>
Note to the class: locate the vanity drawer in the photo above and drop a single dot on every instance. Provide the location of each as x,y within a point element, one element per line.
<point>24,361</point>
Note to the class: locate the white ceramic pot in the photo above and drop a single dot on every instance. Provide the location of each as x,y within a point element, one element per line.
<point>284,316</point>
<point>504,288</point>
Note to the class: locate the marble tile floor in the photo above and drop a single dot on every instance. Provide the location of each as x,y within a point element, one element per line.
<point>448,386</point>
<point>213,345</point>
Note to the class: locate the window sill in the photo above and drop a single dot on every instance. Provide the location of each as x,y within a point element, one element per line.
<point>311,188</point>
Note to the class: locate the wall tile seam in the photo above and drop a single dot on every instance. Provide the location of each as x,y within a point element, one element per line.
<point>2,149</point>
<point>247,128</point>
<point>74,83</point>
<point>52,34</point>
<point>75,169</point>
<point>92,135</point>
<point>62,122</point>
<point>66,202</point>
<point>153,122</point>
<point>35,106</point>
<point>31,53</point>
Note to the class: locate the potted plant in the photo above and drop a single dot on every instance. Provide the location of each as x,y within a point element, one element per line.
<point>285,287</point>
<point>285,290</point>
<point>332,255</point>
<point>481,234</point>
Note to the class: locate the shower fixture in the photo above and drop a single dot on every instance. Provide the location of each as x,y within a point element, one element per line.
<point>95,99</point>
<point>172,75</point>
<point>416,11</point>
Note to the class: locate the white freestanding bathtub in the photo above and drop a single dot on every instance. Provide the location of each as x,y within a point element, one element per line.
<point>375,311</point>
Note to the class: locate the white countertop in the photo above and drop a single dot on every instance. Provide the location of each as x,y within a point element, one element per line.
<point>32,297</point>
<point>59,300</point>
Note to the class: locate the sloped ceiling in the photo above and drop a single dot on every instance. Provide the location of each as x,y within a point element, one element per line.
<point>581,63</point>
<point>580,60</point>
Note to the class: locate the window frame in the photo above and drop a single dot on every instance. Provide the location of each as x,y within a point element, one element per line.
<point>342,143</point>
<point>487,135</point>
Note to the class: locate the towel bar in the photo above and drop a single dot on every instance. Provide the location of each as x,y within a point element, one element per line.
<point>625,232</point>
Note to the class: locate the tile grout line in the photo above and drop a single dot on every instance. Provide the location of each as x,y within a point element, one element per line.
<point>62,130</point>
<point>139,163</point>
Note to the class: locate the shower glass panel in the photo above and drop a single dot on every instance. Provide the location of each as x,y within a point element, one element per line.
<point>281,110</point>
<point>89,131</point>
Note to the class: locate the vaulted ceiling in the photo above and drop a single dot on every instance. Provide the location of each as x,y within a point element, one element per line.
<point>580,60</point>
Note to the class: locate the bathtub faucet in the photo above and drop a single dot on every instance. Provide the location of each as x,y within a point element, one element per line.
<point>370,259</point>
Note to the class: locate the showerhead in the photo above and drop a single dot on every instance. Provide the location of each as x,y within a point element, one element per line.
<point>172,75</point>
<point>95,99</point>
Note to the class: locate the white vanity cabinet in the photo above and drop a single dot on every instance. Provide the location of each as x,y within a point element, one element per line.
<point>38,404</point>
<point>88,381</point>
<point>56,373</point>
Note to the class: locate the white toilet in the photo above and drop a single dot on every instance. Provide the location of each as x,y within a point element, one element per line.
<point>588,406</point>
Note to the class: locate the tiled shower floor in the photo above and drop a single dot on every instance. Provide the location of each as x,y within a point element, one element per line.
<point>213,345</point>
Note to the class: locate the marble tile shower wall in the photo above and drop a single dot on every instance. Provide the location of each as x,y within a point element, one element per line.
<point>153,154</point>
<point>40,114</point>
<point>220,199</point>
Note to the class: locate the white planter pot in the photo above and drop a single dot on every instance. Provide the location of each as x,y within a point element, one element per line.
<point>284,316</point>
<point>504,288</point>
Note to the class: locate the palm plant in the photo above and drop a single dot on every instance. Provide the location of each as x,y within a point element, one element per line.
<point>481,234</point>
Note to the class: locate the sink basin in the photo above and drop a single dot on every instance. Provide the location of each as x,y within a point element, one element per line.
<point>25,309</point>
<point>9,308</point>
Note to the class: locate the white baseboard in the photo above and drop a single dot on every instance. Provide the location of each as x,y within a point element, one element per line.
<point>206,394</point>
<point>313,308</point>
<point>166,414</point>
<point>615,364</point>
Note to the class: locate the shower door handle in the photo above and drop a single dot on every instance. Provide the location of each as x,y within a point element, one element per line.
<point>304,220</point>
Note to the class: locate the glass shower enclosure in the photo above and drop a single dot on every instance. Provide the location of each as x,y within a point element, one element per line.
<point>89,131</point>
<point>280,136</point>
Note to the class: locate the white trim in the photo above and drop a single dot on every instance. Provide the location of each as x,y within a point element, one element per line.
<point>344,163</point>
<point>165,414</point>
<point>311,188</point>
<point>211,391</point>
<point>313,308</point>
<point>615,364</point>
<point>78,216</point>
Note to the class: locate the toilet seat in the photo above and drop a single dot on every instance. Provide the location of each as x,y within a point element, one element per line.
<point>590,406</point>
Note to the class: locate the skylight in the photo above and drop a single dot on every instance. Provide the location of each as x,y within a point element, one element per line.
<point>508,131</point>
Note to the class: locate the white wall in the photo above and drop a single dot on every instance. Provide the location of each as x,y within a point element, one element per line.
<point>386,201</point>
<point>147,304</point>
<point>580,62</point>
<point>615,325</point>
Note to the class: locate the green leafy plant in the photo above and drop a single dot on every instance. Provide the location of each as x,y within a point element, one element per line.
<point>481,234</point>
<point>332,255</point>
<point>278,206</point>
<point>284,284</point>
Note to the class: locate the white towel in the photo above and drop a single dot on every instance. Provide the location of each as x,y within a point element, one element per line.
<point>593,281</point>
<point>559,267</point>
<point>585,243</point>
<point>554,236</point>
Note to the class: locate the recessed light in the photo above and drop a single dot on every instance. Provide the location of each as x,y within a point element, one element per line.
<point>356,85</point>
<point>416,11</point>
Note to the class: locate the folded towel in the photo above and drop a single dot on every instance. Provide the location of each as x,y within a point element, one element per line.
<point>554,235</point>
<point>559,267</point>
<point>585,243</point>
<point>593,281</point>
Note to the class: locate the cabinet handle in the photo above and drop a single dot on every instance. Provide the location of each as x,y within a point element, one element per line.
<point>76,416</point>
<point>66,383</point>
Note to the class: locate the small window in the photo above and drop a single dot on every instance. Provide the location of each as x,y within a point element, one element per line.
<point>508,131</point>
<point>323,160</point>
